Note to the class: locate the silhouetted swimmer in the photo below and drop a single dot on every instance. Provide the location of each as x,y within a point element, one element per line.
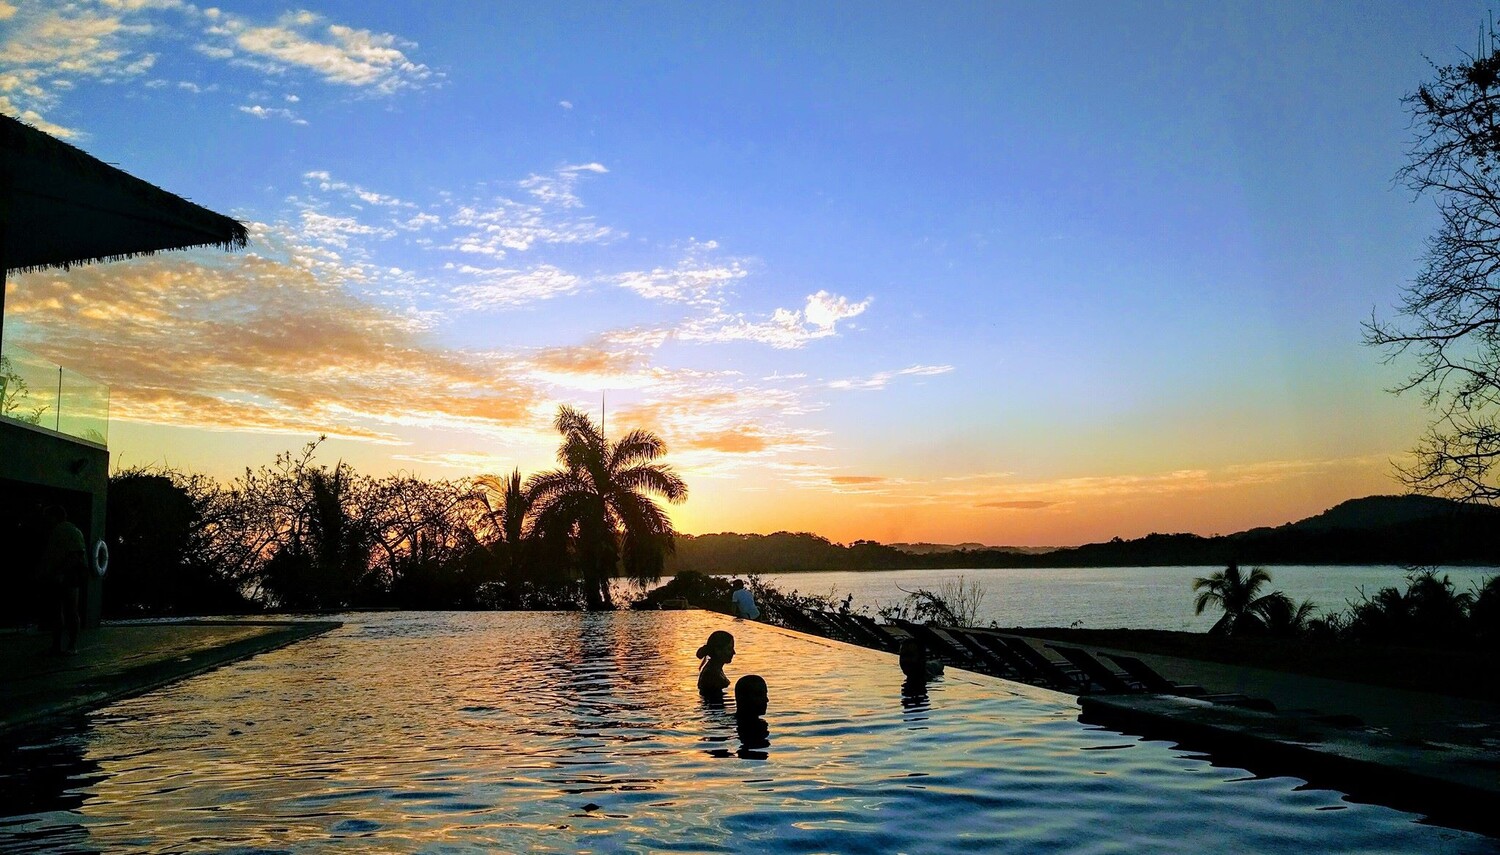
<point>914,663</point>
<point>750,700</point>
<point>717,652</point>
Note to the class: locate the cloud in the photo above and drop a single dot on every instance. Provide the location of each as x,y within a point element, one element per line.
<point>339,54</point>
<point>465,461</point>
<point>503,225</point>
<point>261,112</point>
<point>250,342</point>
<point>503,288</point>
<point>786,328</point>
<point>338,231</point>
<point>692,281</point>
<point>43,50</point>
<point>566,105</point>
<point>1018,506</point>
<point>557,189</point>
<point>880,379</point>
<point>846,480</point>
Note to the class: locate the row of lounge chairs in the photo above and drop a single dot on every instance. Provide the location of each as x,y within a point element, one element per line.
<point>998,654</point>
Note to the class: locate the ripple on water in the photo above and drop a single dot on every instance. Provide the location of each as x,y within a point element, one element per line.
<point>516,731</point>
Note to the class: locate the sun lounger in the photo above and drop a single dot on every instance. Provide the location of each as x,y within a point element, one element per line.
<point>1149,679</point>
<point>882,638</point>
<point>938,647</point>
<point>1154,682</point>
<point>1052,673</point>
<point>1096,673</point>
<point>998,666</point>
<point>1024,670</point>
<point>858,632</point>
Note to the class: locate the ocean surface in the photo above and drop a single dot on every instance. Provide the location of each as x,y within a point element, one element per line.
<point>1111,597</point>
<point>569,732</point>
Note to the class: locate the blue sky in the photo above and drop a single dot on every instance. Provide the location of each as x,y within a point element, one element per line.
<point>1012,273</point>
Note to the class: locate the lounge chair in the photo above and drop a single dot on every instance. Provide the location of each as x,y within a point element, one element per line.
<point>1051,673</point>
<point>883,638</point>
<point>939,647</point>
<point>999,666</point>
<point>1024,670</point>
<point>1154,682</point>
<point>857,631</point>
<point>1096,673</point>
<point>1149,679</point>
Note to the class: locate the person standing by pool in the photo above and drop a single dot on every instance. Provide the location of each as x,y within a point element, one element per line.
<point>717,652</point>
<point>64,566</point>
<point>742,601</point>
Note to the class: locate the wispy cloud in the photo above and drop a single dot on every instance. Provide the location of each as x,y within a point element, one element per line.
<point>557,189</point>
<point>45,49</point>
<point>305,41</point>
<point>785,329</point>
<point>881,379</point>
<point>249,342</point>
<point>503,288</point>
<point>698,279</point>
<point>262,112</point>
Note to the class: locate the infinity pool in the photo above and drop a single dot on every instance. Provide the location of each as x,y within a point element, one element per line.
<point>584,733</point>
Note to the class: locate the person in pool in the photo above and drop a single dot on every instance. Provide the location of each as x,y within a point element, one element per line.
<point>750,699</point>
<point>914,662</point>
<point>717,652</point>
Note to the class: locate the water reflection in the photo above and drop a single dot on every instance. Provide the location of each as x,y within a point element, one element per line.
<point>45,781</point>
<point>508,732</point>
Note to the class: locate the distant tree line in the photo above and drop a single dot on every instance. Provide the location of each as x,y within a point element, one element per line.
<point>300,535</point>
<point>1416,530</point>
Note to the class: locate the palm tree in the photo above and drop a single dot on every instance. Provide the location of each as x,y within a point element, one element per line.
<point>1280,617</point>
<point>600,502</point>
<point>507,506</point>
<point>1236,593</point>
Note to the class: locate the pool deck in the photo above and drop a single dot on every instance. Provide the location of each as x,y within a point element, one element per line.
<point>1431,753</point>
<point>116,661</point>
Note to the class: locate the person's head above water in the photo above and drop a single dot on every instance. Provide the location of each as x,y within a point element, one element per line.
<point>719,647</point>
<point>750,696</point>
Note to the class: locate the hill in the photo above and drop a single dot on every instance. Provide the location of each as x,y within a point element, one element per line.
<point>1373,530</point>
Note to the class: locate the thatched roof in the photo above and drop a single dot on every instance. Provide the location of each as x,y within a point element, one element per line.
<point>60,206</point>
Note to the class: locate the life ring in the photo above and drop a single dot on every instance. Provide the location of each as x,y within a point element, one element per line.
<point>101,558</point>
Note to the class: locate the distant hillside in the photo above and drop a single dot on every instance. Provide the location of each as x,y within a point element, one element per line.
<point>1377,511</point>
<point>929,548</point>
<point>1372,530</point>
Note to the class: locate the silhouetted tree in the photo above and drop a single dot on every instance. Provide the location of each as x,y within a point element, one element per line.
<point>158,527</point>
<point>600,503</point>
<point>1238,594</point>
<point>1452,309</point>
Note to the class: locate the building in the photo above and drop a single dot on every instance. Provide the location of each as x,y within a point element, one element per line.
<point>60,207</point>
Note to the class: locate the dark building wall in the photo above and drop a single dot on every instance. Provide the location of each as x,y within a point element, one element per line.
<point>39,468</point>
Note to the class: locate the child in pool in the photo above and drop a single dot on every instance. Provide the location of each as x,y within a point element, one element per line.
<point>714,655</point>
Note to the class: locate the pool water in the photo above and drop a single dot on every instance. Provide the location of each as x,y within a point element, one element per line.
<point>584,733</point>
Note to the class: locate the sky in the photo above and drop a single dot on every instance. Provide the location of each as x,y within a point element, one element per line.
<point>1009,273</point>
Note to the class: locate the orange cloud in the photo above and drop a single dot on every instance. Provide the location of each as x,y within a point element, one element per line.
<point>252,343</point>
<point>1020,506</point>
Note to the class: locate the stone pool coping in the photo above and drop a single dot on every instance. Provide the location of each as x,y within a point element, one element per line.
<point>117,661</point>
<point>1453,784</point>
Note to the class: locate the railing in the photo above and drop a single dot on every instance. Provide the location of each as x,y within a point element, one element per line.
<point>38,392</point>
